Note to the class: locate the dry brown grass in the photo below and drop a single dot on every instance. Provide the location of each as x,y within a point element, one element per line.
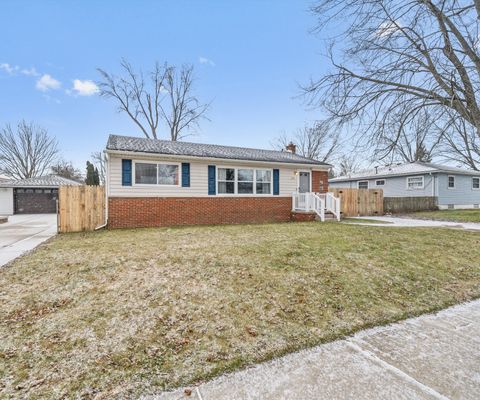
<point>117,313</point>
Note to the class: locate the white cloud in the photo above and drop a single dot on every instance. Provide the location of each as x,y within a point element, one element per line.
<point>206,61</point>
<point>30,72</point>
<point>85,88</point>
<point>9,69</point>
<point>388,28</point>
<point>46,83</point>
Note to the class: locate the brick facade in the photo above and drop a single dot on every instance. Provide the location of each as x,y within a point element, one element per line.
<point>297,216</point>
<point>320,181</point>
<point>136,212</point>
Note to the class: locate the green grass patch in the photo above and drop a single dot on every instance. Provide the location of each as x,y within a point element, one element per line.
<point>449,215</point>
<point>116,314</point>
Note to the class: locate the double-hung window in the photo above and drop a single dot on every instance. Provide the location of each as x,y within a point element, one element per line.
<point>156,174</point>
<point>244,181</point>
<point>264,181</point>
<point>451,182</point>
<point>363,184</point>
<point>226,180</point>
<point>476,183</point>
<point>415,182</point>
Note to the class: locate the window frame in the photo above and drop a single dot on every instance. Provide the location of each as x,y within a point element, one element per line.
<point>235,185</point>
<point>415,177</point>
<point>448,182</point>
<point>157,163</point>
<point>473,178</point>
<point>363,181</point>
<point>380,180</point>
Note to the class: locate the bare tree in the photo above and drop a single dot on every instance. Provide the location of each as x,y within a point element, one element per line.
<point>397,58</point>
<point>27,152</point>
<point>347,165</point>
<point>166,94</point>
<point>319,141</point>
<point>67,170</point>
<point>100,162</point>
<point>416,140</point>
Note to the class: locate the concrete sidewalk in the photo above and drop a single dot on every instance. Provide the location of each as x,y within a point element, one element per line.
<point>412,223</point>
<point>23,233</point>
<point>435,356</point>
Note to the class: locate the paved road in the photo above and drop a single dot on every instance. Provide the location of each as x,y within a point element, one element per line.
<point>23,233</point>
<point>434,356</point>
<point>411,222</point>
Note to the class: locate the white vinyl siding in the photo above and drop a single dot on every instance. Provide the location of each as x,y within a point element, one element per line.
<point>198,178</point>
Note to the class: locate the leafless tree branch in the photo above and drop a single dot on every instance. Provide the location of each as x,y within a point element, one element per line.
<point>26,152</point>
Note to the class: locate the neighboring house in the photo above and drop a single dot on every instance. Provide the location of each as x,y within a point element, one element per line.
<point>159,183</point>
<point>31,195</point>
<point>449,187</point>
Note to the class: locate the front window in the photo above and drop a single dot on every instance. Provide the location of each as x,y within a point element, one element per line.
<point>451,182</point>
<point>167,174</point>
<point>264,180</point>
<point>363,185</point>
<point>244,181</point>
<point>156,174</point>
<point>415,183</point>
<point>226,180</point>
<point>380,182</point>
<point>475,183</point>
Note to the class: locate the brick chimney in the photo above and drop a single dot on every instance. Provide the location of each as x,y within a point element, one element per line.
<point>291,148</point>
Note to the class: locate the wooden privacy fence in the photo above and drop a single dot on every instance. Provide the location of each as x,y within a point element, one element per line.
<point>360,202</point>
<point>409,204</point>
<point>80,208</point>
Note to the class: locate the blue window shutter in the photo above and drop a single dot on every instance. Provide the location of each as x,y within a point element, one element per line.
<point>211,180</point>
<point>276,182</point>
<point>126,172</point>
<point>185,174</point>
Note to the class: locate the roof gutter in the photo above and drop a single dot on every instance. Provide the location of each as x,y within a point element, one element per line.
<point>322,167</point>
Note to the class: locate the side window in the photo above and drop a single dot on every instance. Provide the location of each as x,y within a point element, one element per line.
<point>363,184</point>
<point>451,182</point>
<point>475,183</point>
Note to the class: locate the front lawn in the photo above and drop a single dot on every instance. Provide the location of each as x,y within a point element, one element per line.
<point>449,215</point>
<point>121,313</point>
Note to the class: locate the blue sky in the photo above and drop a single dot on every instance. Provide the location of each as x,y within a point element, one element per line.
<point>259,52</point>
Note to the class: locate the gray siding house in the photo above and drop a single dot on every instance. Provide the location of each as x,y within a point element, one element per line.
<point>449,187</point>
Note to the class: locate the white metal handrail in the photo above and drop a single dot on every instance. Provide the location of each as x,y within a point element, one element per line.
<point>318,202</point>
<point>309,202</point>
<point>332,204</point>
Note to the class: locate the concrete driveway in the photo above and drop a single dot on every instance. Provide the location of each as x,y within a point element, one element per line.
<point>434,356</point>
<point>23,233</point>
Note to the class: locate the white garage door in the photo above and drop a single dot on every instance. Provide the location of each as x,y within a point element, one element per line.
<point>6,201</point>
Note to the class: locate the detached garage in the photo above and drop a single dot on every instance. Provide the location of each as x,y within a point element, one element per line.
<point>32,195</point>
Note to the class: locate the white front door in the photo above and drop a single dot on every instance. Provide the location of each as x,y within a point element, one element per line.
<point>304,182</point>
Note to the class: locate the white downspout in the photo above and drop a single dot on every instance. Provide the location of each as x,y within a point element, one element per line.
<point>106,183</point>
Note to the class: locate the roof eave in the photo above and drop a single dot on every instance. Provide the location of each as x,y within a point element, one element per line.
<point>172,156</point>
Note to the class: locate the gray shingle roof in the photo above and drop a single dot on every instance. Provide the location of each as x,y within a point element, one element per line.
<point>48,181</point>
<point>144,145</point>
<point>414,168</point>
